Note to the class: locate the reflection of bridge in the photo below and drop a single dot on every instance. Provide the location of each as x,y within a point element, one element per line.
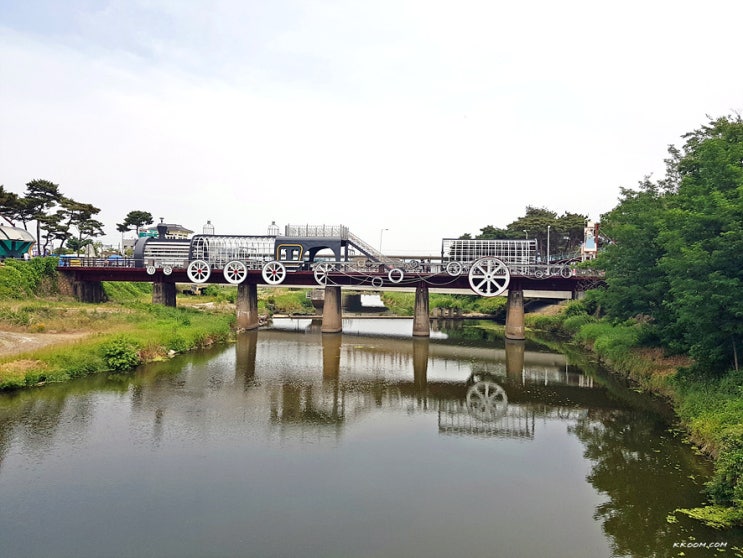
<point>298,259</point>
<point>358,377</point>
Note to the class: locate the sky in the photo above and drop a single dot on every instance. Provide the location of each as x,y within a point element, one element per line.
<point>408,121</point>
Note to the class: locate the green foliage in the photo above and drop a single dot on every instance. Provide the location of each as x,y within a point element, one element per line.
<point>677,251</point>
<point>127,292</point>
<point>399,304</point>
<point>121,354</point>
<point>23,279</point>
<point>718,517</point>
<point>221,293</point>
<point>726,486</point>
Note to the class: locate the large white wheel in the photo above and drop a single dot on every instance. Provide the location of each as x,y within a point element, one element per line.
<point>235,272</point>
<point>489,277</point>
<point>395,275</point>
<point>487,401</point>
<point>198,271</point>
<point>274,273</point>
<point>151,270</point>
<point>321,271</point>
<point>454,268</point>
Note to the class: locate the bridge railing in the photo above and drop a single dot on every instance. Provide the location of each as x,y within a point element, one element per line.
<point>81,261</point>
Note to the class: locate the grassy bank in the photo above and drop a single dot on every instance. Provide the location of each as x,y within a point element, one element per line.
<point>709,408</point>
<point>67,339</point>
<point>112,336</point>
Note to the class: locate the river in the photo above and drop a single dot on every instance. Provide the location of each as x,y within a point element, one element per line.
<point>368,444</point>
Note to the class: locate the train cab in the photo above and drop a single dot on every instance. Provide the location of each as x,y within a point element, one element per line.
<point>292,255</point>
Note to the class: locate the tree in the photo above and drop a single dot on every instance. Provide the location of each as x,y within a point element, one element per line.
<point>703,241</point>
<point>80,216</point>
<point>14,208</point>
<point>635,284</point>
<point>41,196</point>
<point>677,251</point>
<point>136,220</point>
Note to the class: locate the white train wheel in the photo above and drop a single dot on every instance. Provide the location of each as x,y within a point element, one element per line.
<point>489,277</point>
<point>198,271</point>
<point>322,273</point>
<point>235,272</point>
<point>167,270</point>
<point>151,270</point>
<point>274,273</point>
<point>454,268</point>
<point>396,275</point>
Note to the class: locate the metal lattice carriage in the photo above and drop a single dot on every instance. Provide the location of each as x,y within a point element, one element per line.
<point>219,250</point>
<point>518,255</point>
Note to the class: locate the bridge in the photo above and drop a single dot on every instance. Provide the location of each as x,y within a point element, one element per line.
<point>333,258</point>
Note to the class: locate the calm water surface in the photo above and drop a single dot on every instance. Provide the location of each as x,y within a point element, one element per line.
<point>367,444</point>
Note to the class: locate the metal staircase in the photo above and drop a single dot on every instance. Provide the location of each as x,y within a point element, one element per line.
<point>370,252</point>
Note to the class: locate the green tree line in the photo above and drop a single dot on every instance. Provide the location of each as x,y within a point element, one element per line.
<point>675,260</point>
<point>565,231</point>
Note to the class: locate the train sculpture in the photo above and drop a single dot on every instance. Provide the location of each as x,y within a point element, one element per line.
<point>488,264</point>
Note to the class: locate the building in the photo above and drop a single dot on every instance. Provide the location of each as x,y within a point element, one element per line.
<point>15,242</point>
<point>172,231</point>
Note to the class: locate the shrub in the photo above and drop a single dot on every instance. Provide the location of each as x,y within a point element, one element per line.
<point>121,354</point>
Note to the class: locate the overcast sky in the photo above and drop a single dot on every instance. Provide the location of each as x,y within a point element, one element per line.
<point>423,117</point>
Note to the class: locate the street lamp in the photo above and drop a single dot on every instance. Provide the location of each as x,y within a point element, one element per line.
<point>526,234</point>
<point>380,239</point>
<point>548,248</point>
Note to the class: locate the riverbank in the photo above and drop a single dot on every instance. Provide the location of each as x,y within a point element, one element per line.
<point>56,339</point>
<point>710,410</point>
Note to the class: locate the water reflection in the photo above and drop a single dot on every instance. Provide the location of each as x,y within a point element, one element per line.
<point>237,427</point>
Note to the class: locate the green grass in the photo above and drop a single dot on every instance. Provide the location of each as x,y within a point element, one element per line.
<point>140,333</point>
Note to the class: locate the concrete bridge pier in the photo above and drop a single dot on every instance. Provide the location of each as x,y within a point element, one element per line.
<point>421,317</point>
<point>247,306</point>
<point>515,314</point>
<point>163,293</point>
<point>88,291</point>
<point>332,319</point>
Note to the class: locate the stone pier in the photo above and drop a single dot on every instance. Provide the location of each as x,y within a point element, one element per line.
<point>88,291</point>
<point>421,317</point>
<point>247,306</point>
<point>515,314</point>
<point>332,319</point>
<point>163,293</point>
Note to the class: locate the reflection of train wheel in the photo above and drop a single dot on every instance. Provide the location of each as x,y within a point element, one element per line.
<point>395,275</point>
<point>274,273</point>
<point>167,270</point>
<point>198,271</point>
<point>454,268</point>
<point>377,282</point>
<point>235,272</point>
<point>486,400</point>
<point>150,270</point>
<point>321,271</point>
<point>489,277</point>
